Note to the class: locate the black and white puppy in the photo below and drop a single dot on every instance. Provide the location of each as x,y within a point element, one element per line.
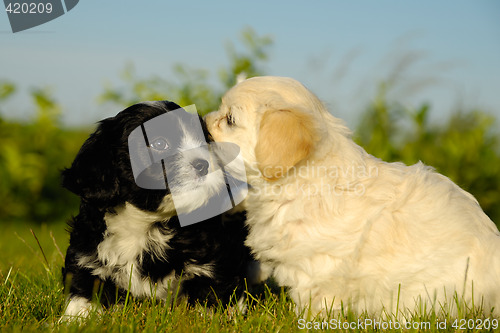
<point>129,238</point>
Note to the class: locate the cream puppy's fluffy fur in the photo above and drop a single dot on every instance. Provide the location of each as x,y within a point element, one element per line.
<point>343,228</point>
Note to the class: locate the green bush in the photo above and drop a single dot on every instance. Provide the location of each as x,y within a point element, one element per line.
<point>31,156</point>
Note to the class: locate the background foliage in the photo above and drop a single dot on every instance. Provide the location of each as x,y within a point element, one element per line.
<point>32,153</point>
<point>465,147</point>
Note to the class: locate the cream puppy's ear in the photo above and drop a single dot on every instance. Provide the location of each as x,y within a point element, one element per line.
<point>285,138</point>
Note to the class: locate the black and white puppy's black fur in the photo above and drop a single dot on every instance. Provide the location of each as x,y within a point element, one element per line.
<point>129,238</point>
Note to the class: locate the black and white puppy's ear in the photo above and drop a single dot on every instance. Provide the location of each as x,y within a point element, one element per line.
<point>93,174</point>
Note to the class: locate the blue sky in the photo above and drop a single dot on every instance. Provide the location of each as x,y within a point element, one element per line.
<point>341,50</point>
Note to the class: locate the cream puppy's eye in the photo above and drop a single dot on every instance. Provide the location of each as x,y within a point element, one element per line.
<point>159,144</point>
<point>230,119</point>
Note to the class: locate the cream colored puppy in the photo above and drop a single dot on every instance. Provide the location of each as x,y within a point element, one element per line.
<point>342,228</point>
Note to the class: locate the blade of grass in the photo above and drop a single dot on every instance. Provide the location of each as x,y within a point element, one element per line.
<point>128,289</point>
<point>8,275</point>
<point>27,245</point>
<point>56,246</point>
<point>41,249</point>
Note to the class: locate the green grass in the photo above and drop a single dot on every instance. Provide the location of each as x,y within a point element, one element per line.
<point>32,299</point>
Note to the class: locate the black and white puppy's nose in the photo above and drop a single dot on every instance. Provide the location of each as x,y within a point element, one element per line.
<point>201,166</point>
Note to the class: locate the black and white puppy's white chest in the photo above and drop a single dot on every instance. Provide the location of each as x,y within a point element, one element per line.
<point>128,238</point>
<point>133,245</point>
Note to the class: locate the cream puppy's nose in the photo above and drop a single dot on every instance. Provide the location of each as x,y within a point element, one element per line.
<point>211,120</point>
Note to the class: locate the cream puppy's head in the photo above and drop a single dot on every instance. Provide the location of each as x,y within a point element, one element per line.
<point>276,122</point>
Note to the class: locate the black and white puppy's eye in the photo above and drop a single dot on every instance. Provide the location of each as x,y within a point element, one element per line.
<point>230,119</point>
<point>159,144</point>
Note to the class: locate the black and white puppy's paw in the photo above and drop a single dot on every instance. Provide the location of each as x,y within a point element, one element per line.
<point>128,238</point>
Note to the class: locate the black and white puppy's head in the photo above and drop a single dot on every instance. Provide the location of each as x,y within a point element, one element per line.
<point>102,174</point>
